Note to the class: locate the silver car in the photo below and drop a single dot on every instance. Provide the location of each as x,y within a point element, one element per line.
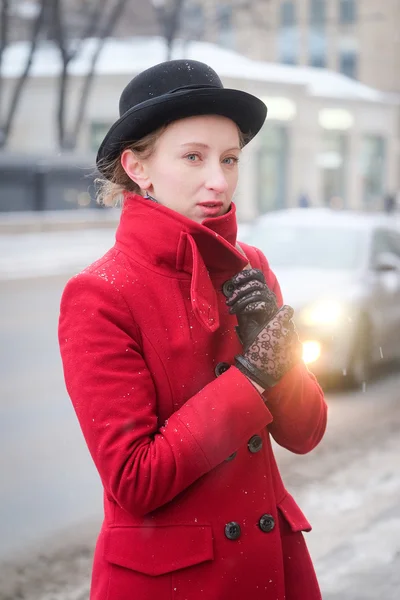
<point>341,273</point>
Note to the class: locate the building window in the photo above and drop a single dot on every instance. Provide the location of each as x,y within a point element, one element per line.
<point>317,49</point>
<point>347,11</point>
<point>225,30</point>
<point>332,162</point>
<point>317,34</point>
<point>288,14</point>
<point>317,12</point>
<point>272,168</point>
<point>348,62</point>
<point>373,169</point>
<point>348,56</point>
<point>288,37</point>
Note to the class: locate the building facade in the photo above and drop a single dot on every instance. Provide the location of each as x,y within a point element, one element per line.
<point>359,38</point>
<point>327,137</point>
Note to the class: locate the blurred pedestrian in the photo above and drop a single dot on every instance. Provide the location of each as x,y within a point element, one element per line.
<point>389,203</point>
<point>304,201</point>
<point>336,203</point>
<point>180,361</point>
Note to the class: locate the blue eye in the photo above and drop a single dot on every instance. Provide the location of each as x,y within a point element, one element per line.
<point>232,160</point>
<point>192,157</point>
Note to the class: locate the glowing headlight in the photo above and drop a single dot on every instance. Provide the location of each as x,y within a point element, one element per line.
<point>327,312</point>
<point>311,351</point>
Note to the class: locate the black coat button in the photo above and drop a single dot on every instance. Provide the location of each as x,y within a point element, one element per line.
<point>221,368</point>
<point>255,444</point>
<point>231,457</point>
<point>232,530</point>
<point>267,523</point>
<point>228,288</point>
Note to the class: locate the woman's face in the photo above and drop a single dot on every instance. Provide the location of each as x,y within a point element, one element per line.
<point>194,167</point>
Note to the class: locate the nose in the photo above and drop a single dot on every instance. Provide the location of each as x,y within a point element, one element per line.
<point>216,179</point>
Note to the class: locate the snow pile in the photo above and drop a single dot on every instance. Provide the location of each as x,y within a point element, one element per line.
<point>132,55</point>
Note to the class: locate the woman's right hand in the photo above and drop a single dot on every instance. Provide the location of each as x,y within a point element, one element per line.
<point>251,300</point>
<point>274,350</point>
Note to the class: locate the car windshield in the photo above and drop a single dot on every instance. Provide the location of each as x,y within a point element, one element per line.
<point>308,247</point>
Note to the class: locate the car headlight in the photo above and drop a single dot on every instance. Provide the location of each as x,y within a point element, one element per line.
<point>311,351</point>
<point>326,312</point>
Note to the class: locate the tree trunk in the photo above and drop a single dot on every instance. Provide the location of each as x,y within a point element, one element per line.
<point>5,129</point>
<point>66,56</point>
<point>105,33</point>
<point>4,28</point>
<point>169,21</point>
<point>67,139</point>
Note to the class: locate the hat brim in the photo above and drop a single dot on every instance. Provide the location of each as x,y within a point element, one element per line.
<point>246,110</point>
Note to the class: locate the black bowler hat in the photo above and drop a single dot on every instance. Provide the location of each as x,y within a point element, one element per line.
<point>173,90</point>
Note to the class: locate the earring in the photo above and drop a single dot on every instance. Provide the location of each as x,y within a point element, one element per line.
<point>147,195</point>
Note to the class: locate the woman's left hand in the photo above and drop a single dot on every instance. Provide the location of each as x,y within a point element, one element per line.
<point>273,352</point>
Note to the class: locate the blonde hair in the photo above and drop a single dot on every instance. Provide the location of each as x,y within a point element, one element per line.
<point>110,188</point>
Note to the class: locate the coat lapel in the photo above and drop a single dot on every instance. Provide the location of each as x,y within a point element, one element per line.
<point>175,245</point>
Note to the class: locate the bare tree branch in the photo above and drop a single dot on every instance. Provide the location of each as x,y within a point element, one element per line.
<point>91,20</point>
<point>59,34</point>
<point>4,22</point>
<point>4,29</point>
<point>105,33</point>
<point>20,84</point>
<point>169,21</point>
<point>58,30</point>
<point>69,49</point>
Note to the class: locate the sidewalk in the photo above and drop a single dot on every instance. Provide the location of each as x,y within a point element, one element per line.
<point>49,253</point>
<point>58,220</point>
<point>59,242</point>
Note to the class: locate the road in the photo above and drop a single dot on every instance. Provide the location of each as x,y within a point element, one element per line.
<point>349,487</point>
<point>48,480</point>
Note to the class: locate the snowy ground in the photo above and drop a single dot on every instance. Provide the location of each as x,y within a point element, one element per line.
<point>356,519</point>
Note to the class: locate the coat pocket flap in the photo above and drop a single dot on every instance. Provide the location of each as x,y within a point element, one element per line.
<point>156,550</point>
<point>293,514</point>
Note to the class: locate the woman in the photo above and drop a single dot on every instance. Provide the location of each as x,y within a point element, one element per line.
<point>180,361</point>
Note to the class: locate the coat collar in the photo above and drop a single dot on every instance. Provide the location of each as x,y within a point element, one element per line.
<point>176,246</point>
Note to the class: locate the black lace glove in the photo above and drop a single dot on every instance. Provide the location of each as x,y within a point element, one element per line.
<point>251,300</point>
<point>274,350</point>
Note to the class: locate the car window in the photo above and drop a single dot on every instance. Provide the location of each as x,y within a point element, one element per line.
<point>394,241</point>
<point>321,247</point>
<point>380,242</point>
<point>385,241</point>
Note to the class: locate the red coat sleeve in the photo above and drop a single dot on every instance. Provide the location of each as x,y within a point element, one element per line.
<point>141,465</point>
<point>297,402</point>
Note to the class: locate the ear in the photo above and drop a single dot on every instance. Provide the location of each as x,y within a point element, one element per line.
<point>135,169</point>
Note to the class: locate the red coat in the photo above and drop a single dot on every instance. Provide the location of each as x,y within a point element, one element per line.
<point>195,507</point>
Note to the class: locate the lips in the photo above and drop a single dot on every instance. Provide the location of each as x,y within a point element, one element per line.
<point>211,204</point>
<point>211,209</point>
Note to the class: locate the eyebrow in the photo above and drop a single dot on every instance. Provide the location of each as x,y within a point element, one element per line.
<point>201,145</point>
